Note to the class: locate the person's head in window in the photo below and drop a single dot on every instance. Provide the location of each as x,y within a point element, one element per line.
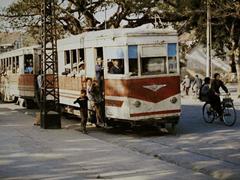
<point>116,68</point>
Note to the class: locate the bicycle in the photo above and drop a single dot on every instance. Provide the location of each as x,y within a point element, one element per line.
<point>229,113</point>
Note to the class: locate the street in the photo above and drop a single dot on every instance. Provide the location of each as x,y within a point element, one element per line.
<point>198,150</point>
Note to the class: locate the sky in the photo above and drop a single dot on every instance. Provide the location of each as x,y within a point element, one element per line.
<point>5,3</point>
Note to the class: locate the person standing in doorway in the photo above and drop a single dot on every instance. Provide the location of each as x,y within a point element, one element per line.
<point>99,73</point>
<point>98,103</point>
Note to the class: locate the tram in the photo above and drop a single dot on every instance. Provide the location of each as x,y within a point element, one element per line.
<point>146,90</point>
<point>17,74</point>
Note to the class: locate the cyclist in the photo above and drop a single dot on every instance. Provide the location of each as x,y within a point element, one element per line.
<point>204,90</point>
<point>214,94</point>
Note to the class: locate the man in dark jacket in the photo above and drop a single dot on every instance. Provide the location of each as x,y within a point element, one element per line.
<point>214,94</point>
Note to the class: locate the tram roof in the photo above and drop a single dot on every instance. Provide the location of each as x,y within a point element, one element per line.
<point>20,51</point>
<point>122,32</point>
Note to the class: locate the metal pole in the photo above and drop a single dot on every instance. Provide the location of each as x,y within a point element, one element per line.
<point>208,63</point>
<point>105,15</point>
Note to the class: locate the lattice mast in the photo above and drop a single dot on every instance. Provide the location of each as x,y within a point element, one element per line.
<point>49,97</point>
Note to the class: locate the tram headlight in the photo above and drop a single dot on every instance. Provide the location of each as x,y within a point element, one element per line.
<point>173,100</point>
<point>137,104</point>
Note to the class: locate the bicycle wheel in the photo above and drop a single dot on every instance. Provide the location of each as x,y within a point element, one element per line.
<point>229,116</point>
<point>208,113</point>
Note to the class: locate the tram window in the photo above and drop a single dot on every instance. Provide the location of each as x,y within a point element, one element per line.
<point>115,58</point>
<point>28,64</point>
<point>116,66</point>
<point>67,57</point>
<point>100,52</point>
<point>2,64</point>
<point>13,65</point>
<point>74,56</point>
<point>133,60</point>
<point>172,60</point>
<point>172,64</point>
<point>81,54</point>
<point>153,65</point>
<point>17,64</point>
<point>67,62</point>
<point>133,67</point>
<point>10,64</point>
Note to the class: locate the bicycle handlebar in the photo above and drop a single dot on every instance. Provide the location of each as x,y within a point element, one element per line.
<point>225,94</point>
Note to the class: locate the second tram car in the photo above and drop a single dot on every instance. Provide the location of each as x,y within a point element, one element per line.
<point>146,89</point>
<point>18,69</point>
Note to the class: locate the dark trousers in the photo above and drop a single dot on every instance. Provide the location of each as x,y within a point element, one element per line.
<point>84,117</point>
<point>187,90</point>
<point>99,112</point>
<point>215,102</point>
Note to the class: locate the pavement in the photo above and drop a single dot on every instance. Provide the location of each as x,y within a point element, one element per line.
<point>198,151</point>
<point>29,152</point>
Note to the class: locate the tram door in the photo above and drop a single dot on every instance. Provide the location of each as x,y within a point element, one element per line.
<point>100,75</point>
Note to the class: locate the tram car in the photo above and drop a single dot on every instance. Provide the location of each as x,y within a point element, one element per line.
<point>145,86</point>
<point>18,69</point>
<point>140,80</point>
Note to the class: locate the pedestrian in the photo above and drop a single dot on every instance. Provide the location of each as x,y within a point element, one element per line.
<point>83,103</point>
<point>186,84</point>
<point>196,85</point>
<point>39,91</point>
<point>39,85</point>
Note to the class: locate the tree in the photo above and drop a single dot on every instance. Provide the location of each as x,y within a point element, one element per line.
<point>76,16</point>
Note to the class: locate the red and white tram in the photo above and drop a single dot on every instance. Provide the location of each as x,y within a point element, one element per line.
<point>148,88</point>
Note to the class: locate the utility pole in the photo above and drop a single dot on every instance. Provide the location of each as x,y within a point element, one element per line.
<point>105,15</point>
<point>49,96</point>
<point>209,42</point>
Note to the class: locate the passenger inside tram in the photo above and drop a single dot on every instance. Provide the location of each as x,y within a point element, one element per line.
<point>74,72</point>
<point>28,68</point>
<point>117,67</point>
<point>81,67</point>
<point>99,73</point>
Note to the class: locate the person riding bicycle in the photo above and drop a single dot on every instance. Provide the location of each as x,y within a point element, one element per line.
<point>204,90</point>
<point>214,94</point>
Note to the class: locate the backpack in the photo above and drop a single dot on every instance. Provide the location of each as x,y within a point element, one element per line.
<point>204,92</point>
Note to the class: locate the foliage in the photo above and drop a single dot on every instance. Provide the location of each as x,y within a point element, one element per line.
<point>76,16</point>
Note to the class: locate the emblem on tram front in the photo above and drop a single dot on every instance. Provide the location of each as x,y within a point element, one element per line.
<point>155,87</point>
